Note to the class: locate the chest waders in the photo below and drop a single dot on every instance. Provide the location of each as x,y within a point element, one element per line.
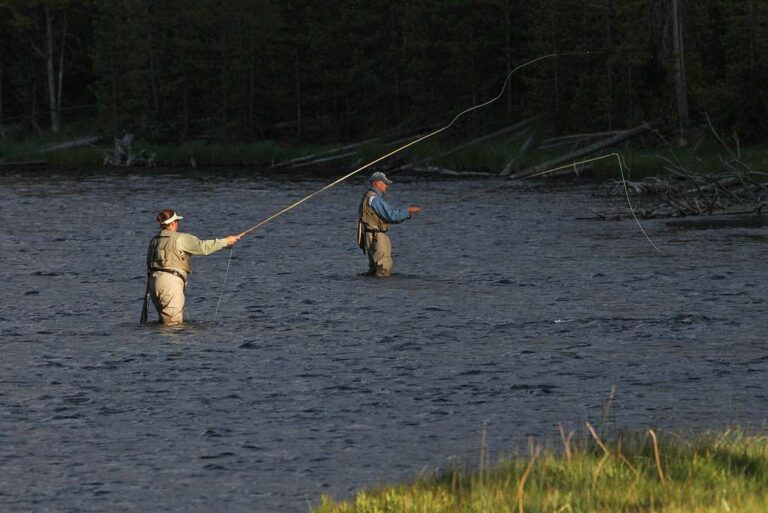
<point>162,256</point>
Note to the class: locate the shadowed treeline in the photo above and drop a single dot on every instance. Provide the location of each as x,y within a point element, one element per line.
<point>311,71</point>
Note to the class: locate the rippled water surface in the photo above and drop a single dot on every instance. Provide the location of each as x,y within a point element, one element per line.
<point>506,307</point>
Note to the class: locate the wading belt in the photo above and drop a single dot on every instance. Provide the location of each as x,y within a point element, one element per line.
<point>169,271</point>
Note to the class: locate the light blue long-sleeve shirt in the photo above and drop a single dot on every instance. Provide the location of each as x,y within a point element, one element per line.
<point>387,212</point>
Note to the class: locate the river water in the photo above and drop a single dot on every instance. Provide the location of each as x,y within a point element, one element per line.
<point>506,307</point>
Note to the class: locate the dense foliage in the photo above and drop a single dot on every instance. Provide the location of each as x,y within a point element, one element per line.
<point>180,70</point>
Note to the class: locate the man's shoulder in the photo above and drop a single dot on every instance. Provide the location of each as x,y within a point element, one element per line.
<point>187,238</point>
<point>370,195</point>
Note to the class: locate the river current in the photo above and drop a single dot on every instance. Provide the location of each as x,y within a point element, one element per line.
<point>511,308</point>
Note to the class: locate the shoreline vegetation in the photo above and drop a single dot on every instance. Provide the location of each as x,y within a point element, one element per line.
<point>725,471</point>
<point>501,156</point>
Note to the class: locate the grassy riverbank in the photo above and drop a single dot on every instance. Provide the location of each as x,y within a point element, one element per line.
<point>490,157</point>
<point>725,472</point>
<point>259,154</point>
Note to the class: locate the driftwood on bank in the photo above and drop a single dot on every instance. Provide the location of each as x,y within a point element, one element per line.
<point>583,152</point>
<point>24,163</point>
<point>529,144</point>
<point>690,193</point>
<point>324,156</point>
<point>342,152</point>
<point>736,188</point>
<point>351,150</point>
<point>575,139</point>
<point>324,160</point>
<point>520,126</point>
<point>75,143</point>
<point>123,154</point>
<point>435,170</point>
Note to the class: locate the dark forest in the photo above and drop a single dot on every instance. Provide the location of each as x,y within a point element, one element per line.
<point>238,70</point>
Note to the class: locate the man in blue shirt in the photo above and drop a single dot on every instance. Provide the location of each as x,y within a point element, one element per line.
<point>376,215</point>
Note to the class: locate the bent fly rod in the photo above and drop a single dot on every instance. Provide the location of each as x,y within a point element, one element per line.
<point>407,145</point>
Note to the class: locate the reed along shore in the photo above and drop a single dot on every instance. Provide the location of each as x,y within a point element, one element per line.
<point>638,473</point>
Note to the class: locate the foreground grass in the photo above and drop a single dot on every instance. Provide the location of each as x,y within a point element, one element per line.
<point>726,472</point>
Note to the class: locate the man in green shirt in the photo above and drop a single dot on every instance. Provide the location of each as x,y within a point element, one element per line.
<point>169,263</point>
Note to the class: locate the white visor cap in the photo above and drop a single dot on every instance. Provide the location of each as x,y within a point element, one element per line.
<point>174,217</point>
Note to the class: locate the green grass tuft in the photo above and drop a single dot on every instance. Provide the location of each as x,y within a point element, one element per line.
<point>726,472</point>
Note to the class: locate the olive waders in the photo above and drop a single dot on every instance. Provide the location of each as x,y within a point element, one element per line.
<point>373,239</point>
<point>167,272</point>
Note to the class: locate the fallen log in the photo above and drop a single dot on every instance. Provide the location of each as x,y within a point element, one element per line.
<point>123,154</point>
<point>407,139</point>
<point>296,162</point>
<point>325,159</point>
<point>448,172</point>
<point>24,163</point>
<point>583,152</point>
<point>474,142</point>
<point>529,144</point>
<point>565,140</point>
<point>83,141</point>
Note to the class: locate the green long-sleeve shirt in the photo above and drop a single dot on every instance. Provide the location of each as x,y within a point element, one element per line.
<point>190,244</point>
<point>185,243</point>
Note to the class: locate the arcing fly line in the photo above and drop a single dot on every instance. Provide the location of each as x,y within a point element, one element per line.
<point>407,145</point>
<point>393,152</point>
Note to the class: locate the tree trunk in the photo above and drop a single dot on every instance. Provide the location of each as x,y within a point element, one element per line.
<point>251,89</point>
<point>753,20</point>
<point>51,72</point>
<point>297,71</point>
<point>679,57</point>
<point>113,84</point>
<point>153,74</point>
<point>508,27</point>
<point>61,67</point>
<point>609,44</point>
<point>2,131</point>
<point>556,80</point>
<point>33,109</point>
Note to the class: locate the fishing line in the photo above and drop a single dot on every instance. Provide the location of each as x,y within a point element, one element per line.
<point>407,145</point>
<point>393,152</point>
<point>221,294</point>
<point>619,159</point>
<point>573,165</point>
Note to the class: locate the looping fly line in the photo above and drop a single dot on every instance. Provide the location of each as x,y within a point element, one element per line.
<point>407,145</point>
<point>387,155</point>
